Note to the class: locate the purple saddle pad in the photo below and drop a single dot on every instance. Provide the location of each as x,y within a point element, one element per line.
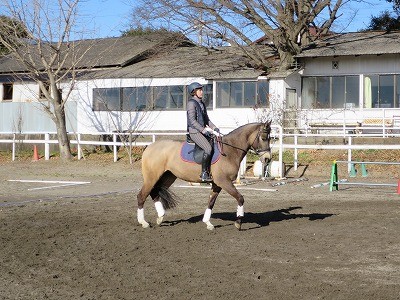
<point>187,153</point>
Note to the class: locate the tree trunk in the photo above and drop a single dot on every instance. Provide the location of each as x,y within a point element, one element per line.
<point>286,60</point>
<point>62,136</point>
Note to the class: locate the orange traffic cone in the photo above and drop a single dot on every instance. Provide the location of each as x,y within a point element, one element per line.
<point>398,187</point>
<point>35,154</point>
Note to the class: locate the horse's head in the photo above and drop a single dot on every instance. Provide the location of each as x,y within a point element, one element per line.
<point>261,144</point>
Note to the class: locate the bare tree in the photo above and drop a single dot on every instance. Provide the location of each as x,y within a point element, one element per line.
<point>285,24</point>
<point>46,55</point>
<point>133,117</point>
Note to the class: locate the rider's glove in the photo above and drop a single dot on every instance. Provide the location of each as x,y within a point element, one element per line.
<point>216,133</point>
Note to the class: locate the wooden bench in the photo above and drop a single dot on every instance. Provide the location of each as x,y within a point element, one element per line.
<point>377,122</point>
<point>376,125</point>
<point>350,127</point>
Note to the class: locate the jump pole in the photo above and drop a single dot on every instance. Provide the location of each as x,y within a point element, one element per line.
<point>334,182</point>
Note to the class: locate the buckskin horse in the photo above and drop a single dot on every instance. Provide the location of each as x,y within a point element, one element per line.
<point>162,165</point>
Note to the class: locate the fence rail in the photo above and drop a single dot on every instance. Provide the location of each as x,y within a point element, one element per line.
<point>279,145</point>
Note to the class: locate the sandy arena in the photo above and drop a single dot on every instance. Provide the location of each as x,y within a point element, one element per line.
<point>81,240</point>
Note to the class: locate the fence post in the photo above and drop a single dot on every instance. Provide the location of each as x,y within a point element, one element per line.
<point>295,153</point>
<point>281,150</point>
<point>79,146</point>
<point>46,146</point>
<point>333,183</point>
<point>13,148</point>
<point>115,146</point>
<point>349,155</point>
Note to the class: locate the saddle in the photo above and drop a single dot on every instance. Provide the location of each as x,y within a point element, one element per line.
<point>190,152</point>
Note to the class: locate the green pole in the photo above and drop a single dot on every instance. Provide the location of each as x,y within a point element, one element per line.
<point>334,178</point>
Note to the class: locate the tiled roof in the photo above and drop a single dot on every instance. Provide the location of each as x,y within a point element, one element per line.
<point>355,43</point>
<point>151,56</point>
<point>186,62</point>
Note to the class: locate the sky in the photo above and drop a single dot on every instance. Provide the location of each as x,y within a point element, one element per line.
<point>107,18</point>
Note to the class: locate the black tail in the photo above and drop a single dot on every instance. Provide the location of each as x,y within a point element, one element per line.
<point>168,198</point>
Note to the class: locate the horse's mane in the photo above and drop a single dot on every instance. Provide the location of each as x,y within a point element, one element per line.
<point>239,130</point>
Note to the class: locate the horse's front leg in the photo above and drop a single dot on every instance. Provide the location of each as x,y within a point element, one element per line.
<point>211,202</point>
<point>231,190</point>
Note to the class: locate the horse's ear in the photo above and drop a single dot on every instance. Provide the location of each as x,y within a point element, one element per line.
<point>267,124</point>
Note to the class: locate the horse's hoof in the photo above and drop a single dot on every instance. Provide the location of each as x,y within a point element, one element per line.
<point>210,226</point>
<point>160,220</point>
<point>238,225</point>
<point>145,224</point>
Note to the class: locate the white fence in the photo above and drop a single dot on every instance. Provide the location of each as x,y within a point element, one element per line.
<point>278,144</point>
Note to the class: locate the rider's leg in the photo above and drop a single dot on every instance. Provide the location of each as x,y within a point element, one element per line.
<point>205,168</point>
<point>203,143</point>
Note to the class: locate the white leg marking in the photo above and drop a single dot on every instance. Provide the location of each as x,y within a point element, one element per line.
<point>240,211</point>
<point>140,218</point>
<point>160,212</point>
<point>207,215</point>
<point>206,219</point>
<point>159,208</point>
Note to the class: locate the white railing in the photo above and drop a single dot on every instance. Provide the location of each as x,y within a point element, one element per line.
<point>79,142</point>
<point>278,146</point>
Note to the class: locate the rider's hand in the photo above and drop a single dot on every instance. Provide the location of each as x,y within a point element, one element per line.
<point>207,130</point>
<point>216,133</point>
<point>207,134</point>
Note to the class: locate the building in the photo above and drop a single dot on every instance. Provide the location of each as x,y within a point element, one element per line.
<point>136,82</point>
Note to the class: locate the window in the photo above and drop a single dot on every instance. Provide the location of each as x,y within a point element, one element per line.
<point>139,98</point>
<point>42,96</point>
<point>168,97</point>
<point>330,92</point>
<point>7,91</point>
<point>107,99</point>
<point>208,95</point>
<point>263,93</point>
<point>381,91</point>
<point>242,93</point>
<point>135,99</point>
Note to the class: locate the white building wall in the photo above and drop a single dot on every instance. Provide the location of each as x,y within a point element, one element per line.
<point>354,65</point>
<point>99,121</point>
<point>25,92</point>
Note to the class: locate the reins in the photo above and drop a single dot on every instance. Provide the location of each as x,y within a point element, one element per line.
<point>220,143</point>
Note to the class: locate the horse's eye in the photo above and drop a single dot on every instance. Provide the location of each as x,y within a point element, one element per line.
<point>264,136</point>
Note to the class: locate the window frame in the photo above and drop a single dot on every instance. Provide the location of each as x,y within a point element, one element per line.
<point>242,93</point>
<point>8,91</point>
<point>311,98</point>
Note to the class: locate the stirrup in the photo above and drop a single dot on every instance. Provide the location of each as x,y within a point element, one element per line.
<point>205,177</point>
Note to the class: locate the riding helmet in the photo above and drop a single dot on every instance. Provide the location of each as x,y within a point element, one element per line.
<point>194,86</point>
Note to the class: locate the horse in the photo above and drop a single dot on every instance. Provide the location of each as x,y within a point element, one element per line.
<point>162,165</point>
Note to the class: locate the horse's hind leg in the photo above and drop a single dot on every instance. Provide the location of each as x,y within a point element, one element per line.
<point>211,202</point>
<point>141,198</point>
<point>166,180</point>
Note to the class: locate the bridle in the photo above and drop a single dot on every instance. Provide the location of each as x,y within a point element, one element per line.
<point>220,143</point>
<point>261,130</point>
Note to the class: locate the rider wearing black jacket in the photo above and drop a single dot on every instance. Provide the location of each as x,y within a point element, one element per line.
<point>200,127</point>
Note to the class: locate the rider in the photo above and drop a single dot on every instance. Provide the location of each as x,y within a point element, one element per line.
<point>199,127</point>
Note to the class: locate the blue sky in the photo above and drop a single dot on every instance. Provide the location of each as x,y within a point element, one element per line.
<point>105,18</point>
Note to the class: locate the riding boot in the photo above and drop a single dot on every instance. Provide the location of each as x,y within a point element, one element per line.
<point>205,167</point>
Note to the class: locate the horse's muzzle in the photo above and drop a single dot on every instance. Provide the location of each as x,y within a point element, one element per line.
<point>265,155</point>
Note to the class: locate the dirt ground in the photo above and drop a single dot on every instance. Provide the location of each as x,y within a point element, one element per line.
<point>82,241</point>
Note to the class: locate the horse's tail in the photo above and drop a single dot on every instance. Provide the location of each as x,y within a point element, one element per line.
<point>168,198</point>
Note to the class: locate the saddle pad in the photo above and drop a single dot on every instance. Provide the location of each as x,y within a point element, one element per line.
<point>187,151</point>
